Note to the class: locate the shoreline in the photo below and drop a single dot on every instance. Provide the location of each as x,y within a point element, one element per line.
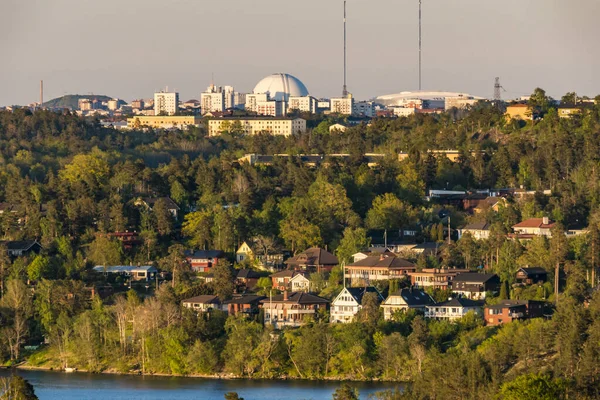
<point>202,376</point>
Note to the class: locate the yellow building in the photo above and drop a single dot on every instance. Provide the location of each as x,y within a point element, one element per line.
<point>164,122</point>
<point>252,126</point>
<point>519,111</point>
<point>568,112</point>
<point>452,155</point>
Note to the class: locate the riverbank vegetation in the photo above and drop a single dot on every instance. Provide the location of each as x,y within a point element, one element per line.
<point>68,182</point>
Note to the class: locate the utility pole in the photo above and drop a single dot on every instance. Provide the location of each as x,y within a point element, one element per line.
<point>449,240</point>
<point>345,88</point>
<point>556,281</point>
<point>420,44</point>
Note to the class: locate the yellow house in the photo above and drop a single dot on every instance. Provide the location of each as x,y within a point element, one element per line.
<point>245,252</point>
<point>164,122</point>
<point>519,111</point>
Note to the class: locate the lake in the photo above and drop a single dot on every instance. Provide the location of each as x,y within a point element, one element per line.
<point>78,386</point>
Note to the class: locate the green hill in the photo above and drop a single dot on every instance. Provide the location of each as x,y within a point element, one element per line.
<point>72,100</point>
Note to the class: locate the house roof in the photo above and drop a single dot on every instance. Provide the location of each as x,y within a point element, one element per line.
<point>203,299</point>
<point>383,261</point>
<point>288,273</point>
<point>474,277</point>
<point>247,274</point>
<point>358,293</point>
<point>477,226</point>
<point>534,223</point>
<point>313,256</point>
<point>245,299</point>
<point>297,298</point>
<point>15,245</point>
<point>513,303</point>
<point>125,268</point>
<point>459,302</point>
<point>534,270</point>
<point>414,297</point>
<point>204,254</point>
<point>152,200</point>
<point>490,202</point>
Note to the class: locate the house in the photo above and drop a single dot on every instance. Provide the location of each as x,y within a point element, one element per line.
<point>428,248</point>
<point>299,283</point>
<point>313,259</point>
<point>472,201</point>
<point>291,309</point>
<point>510,310</point>
<point>203,260</point>
<point>247,278</point>
<point>474,285</point>
<point>491,203</point>
<point>260,257</point>
<point>129,239</point>
<point>405,299</point>
<point>143,273</point>
<point>436,278</point>
<point>203,303</point>
<point>533,227</point>
<point>17,248</point>
<point>519,111</point>
<point>453,309</point>
<point>371,251</point>
<point>377,268</point>
<point>243,305</point>
<point>349,302</point>
<point>477,230</point>
<point>281,280</point>
<point>530,276</point>
<point>150,202</point>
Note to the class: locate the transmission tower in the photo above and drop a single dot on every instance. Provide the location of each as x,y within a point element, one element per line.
<point>497,93</point>
<point>419,44</point>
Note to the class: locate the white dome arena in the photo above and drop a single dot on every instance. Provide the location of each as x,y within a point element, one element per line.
<point>281,86</point>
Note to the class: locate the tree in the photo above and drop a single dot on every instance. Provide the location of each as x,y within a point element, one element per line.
<point>264,284</point>
<point>164,218</point>
<point>345,392</point>
<point>353,241</point>
<point>370,312</point>
<point>17,300</point>
<point>39,268</point>
<point>300,234</point>
<point>105,251</point>
<point>223,280</point>
<point>533,387</point>
<point>388,212</point>
<point>196,226</point>
<point>16,388</point>
<point>175,262</point>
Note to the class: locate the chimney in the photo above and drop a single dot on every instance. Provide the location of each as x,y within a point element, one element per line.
<point>285,295</point>
<point>545,221</point>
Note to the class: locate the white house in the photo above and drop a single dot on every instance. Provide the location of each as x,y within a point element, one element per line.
<point>349,302</point>
<point>204,303</point>
<point>405,299</point>
<point>478,230</point>
<point>299,283</point>
<point>454,309</point>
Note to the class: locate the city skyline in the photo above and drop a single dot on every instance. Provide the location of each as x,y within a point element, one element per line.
<point>129,50</point>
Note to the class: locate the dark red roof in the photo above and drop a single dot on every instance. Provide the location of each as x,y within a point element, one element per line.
<point>313,256</point>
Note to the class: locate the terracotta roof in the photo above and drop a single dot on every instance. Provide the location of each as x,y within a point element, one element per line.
<point>534,223</point>
<point>314,256</point>
<point>385,261</point>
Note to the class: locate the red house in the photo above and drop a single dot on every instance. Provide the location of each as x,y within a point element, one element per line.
<point>203,260</point>
<point>510,310</point>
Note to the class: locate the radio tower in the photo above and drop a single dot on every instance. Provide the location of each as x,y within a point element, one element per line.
<point>344,89</point>
<point>497,93</point>
<point>420,44</point>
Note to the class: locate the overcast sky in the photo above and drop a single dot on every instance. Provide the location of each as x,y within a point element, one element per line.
<point>130,48</point>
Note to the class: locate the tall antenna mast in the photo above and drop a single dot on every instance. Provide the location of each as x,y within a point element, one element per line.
<point>420,44</point>
<point>345,89</point>
<point>41,94</point>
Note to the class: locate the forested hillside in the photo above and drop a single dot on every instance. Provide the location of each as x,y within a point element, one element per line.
<point>68,182</point>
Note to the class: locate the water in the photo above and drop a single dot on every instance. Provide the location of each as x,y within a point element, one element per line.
<point>79,386</point>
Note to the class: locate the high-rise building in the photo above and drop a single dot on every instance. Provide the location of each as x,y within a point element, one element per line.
<point>167,103</point>
<point>273,108</point>
<point>304,103</point>
<point>212,100</point>
<point>364,109</point>
<point>342,105</point>
<point>252,100</point>
<point>113,104</point>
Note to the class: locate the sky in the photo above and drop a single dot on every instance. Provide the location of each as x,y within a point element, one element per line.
<point>131,48</point>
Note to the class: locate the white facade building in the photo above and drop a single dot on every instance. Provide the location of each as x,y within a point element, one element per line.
<point>212,100</point>
<point>349,302</point>
<point>252,100</point>
<point>274,108</point>
<point>166,103</point>
<point>305,103</point>
<point>453,309</point>
<point>300,283</point>
<point>342,105</point>
<point>364,108</point>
